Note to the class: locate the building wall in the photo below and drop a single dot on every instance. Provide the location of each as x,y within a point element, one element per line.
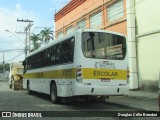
<point>144,24</point>
<point>85,10</point>
<point>148,43</point>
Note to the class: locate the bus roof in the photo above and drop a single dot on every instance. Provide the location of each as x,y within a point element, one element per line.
<point>68,36</point>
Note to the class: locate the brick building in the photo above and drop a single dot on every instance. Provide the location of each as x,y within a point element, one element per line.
<point>93,14</point>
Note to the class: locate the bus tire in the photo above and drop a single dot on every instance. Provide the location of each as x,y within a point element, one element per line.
<point>53,93</point>
<point>10,86</point>
<point>90,99</point>
<point>29,91</point>
<point>13,85</point>
<point>102,99</point>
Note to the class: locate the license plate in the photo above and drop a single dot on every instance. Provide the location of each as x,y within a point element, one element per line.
<point>105,80</point>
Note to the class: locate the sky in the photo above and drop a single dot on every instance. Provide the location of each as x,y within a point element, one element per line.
<point>40,11</point>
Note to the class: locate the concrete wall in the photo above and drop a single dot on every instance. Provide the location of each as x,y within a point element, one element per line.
<point>148,42</point>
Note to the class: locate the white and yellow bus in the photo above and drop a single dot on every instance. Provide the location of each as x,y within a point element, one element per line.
<point>84,63</point>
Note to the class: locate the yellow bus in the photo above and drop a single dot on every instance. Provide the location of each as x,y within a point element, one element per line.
<point>86,63</point>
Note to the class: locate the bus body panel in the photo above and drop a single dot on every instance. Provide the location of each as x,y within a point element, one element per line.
<point>102,85</point>
<point>100,77</point>
<point>54,73</point>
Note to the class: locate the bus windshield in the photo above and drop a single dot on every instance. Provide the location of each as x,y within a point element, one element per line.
<point>100,45</point>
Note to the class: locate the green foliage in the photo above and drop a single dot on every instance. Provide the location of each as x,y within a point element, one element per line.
<point>46,34</point>
<point>5,66</point>
<point>35,38</point>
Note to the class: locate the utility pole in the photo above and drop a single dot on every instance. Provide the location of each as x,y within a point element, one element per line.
<point>29,32</point>
<point>26,48</point>
<point>3,58</point>
<point>27,29</point>
<point>3,66</point>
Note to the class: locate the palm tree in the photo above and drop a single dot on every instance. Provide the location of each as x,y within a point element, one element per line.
<point>35,38</point>
<point>46,35</point>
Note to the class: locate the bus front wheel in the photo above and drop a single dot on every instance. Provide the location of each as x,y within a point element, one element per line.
<point>53,94</point>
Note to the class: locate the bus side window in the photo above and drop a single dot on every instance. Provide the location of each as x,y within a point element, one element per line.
<point>25,66</point>
<point>38,60</point>
<point>58,54</point>
<point>29,63</point>
<point>53,54</point>
<point>64,56</point>
<point>47,57</point>
<point>67,51</point>
<point>71,50</point>
<point>41,59</point>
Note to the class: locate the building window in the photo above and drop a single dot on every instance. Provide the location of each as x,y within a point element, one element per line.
<point>115,11</point>
<point>59,34</point>
<point>82,24</point>
<point>69,29</point>
<point>96,20</point>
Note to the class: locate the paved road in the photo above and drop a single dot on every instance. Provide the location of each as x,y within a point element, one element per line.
<point>19,100</point>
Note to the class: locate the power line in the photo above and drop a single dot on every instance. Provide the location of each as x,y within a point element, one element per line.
<point>15,57</point>
<point>16,37</point>
<point>10,50</point>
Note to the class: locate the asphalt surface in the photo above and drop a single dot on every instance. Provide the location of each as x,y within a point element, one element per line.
<point>19,100</point>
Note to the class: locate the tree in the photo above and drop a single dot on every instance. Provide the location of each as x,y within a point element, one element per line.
<point>4,67</point>
<point>47,35</point>
<point>35,38</point>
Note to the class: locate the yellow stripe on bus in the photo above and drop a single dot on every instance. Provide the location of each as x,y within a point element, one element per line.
<point>57,74</point>
<point>88,73</point>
